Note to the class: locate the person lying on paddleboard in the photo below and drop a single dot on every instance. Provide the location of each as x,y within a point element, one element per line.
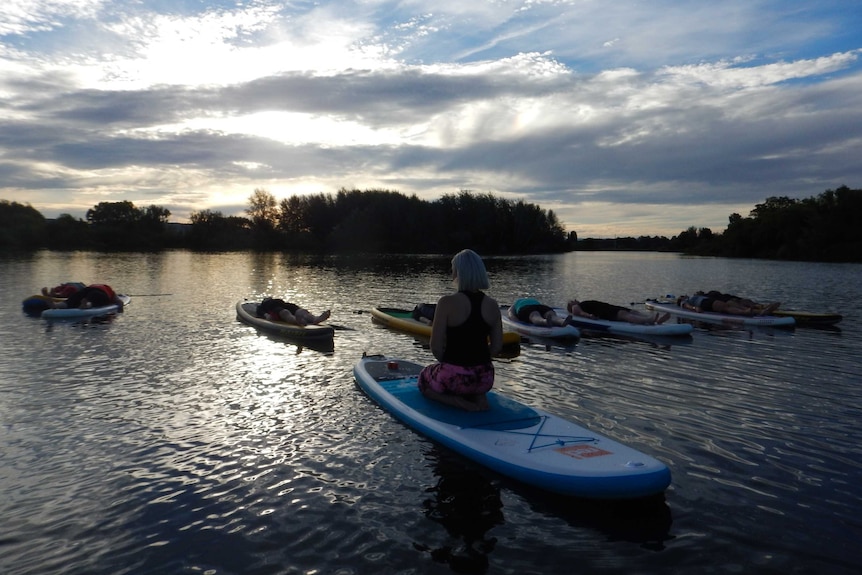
<point>701,303</point>
<point>763,308</point>
<point>467,331</point>
<point>530,310</point>
<point>93,295</point>
<point>280,310</point>
<point>593,309</point>
<point>63,290</point>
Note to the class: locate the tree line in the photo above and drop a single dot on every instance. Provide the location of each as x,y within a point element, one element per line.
<point>371,221</point>
<point>826,227</point>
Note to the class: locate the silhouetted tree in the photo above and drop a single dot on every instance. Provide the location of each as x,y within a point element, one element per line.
<point>822,228</point>
<point>68,233</point>
<point>263,213</point>
<point>21,226</point>
<point>122,226</point>
<point>211,230</point>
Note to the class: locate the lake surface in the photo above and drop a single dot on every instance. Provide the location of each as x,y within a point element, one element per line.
<point>175,439</point>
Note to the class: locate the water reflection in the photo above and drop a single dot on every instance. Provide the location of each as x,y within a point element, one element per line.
<point>467,503</point>
<point>731,328</point>
<point>176,438</point>
<point>324,345</point>
<point>558,344</point>
<point>646,521</point>
<point>655,341</point>
<point>468,506</point>
<point>97,322</point>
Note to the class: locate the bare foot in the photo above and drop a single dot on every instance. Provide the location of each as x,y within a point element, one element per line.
<point>323,317</point>
<point>770,308</point>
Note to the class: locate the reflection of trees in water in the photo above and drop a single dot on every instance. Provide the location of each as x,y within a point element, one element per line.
<point>468,506</point>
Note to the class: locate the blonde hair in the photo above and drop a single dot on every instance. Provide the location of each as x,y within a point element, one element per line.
<point>470,272</point>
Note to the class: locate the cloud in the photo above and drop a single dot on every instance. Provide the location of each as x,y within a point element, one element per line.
<point>626,119</point>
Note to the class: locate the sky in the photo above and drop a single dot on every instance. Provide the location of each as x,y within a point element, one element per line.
<point>626,118</point>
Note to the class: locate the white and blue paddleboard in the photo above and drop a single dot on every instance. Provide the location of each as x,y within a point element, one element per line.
<point>626,328</point>
<point>515,440</point>
<point>80,313</point>
<point>720,318</point>
<point>542,331</point>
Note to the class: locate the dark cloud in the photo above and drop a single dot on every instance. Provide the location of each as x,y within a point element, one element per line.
<point>575,107</point>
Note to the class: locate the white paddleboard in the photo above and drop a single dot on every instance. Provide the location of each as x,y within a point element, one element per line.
<point>77,312</point>
<point>524,328</point>
<point>720,318</point>
<point>515,440</point>
<point>626,328</point>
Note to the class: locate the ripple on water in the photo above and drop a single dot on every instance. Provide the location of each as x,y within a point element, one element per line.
<point>175,438</point>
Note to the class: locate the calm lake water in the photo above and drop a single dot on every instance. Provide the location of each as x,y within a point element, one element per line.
<point>174,439</point>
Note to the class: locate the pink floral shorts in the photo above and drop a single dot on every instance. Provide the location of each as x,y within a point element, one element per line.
<point>457,379</point>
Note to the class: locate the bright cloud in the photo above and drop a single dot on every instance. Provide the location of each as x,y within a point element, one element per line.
<point>626,118</point>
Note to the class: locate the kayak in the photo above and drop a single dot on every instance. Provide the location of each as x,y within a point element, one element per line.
<point>246,312</point>
<point>529,329</point>
<point>81,313</point>
<point>809,318</point>
<point>626,328</point>
<point>721,318</point>
<point>403,320</point>
<point>521,442</point>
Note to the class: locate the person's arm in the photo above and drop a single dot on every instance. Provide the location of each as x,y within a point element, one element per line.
<point>492,312</point>
<point>438,327</point>
<point>687,305</point>
<point>576,310</point>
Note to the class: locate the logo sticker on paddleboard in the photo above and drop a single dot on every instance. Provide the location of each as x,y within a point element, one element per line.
<point>582,451</point>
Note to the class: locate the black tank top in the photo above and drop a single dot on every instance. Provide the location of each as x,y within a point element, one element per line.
<point>467,344</point>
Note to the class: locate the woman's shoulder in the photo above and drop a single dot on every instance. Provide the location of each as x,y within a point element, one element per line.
<point>448,302</point>
<point>490,304</point>
<point>488,299</point>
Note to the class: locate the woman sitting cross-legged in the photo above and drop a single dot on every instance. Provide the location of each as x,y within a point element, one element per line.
<point>467,331</point>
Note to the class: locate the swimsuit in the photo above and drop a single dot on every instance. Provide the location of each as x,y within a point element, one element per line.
<point>525,306</point>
